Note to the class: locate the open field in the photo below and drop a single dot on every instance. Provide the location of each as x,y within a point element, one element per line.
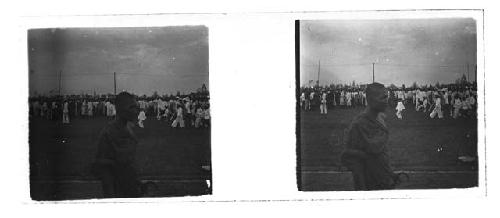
<point>61,155</point>
<point>413,146</point>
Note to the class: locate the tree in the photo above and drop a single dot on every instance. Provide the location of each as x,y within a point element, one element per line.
<point>204,88</point>
<point>464,79</point>
<point>414,85</point>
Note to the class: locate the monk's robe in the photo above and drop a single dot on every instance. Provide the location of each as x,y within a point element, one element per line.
<point>365,153</point>
<point>115,161</point>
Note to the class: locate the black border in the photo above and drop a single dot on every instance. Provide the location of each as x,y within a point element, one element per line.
<point>297,103</point>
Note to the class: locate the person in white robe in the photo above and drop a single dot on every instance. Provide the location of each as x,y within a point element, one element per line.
<point>179,119</point>
<point>161,108</point>
<point>322,107</point>
<point>65,112</point>
<point>199,117</point>
<point>90,109</point>
<point>425,104</point>
<point>141,118</point>
<point>302,100</point>
<point>399,109</point>
<point>84,108</point>
<point>342,99</point>
<point>437,108</point>
<point>311,99</point>
<point>349,99</point>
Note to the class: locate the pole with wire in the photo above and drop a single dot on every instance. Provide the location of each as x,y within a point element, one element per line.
<point>319,70</point>
<point>114,79</point>
<point>373,72</point>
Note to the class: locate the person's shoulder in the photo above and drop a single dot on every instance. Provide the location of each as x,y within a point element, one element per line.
<point>359,119</point>
<point>111,125</point>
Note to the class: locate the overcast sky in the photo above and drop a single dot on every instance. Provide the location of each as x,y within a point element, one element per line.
<point>163,59</point>
<point>425,51</point>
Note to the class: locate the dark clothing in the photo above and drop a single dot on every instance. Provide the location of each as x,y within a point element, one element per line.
<point>115,159</point>
<point>365,154</point>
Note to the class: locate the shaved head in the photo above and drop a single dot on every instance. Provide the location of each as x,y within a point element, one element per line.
<point>126,106</point>
<point>376,96</point>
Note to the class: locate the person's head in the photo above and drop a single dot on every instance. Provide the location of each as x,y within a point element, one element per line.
<point>126,107</point>
<point>376,97</point>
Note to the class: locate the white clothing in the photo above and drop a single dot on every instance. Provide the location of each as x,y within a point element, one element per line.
<point>399,109</point>
<point>141,118</point>
<point>179,119</point>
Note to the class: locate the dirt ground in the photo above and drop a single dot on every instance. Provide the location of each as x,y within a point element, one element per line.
<point>417,143</point>
<point>60,157</point>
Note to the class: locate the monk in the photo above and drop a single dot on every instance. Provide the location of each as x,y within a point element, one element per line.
<point>365,153</point>
<point>116,151</point>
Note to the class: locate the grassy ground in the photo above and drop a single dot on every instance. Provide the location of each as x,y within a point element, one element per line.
<point>414,142</point>
<point>64,152</point>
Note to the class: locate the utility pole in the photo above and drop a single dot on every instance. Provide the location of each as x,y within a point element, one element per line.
<point>114,78</point>
<point>319,69</point>
<point>373,72</point>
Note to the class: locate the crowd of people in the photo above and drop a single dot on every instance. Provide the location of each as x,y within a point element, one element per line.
<point>192,110</point>
<point>451,100</point>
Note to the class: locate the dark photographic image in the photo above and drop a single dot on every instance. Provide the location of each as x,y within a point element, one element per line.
<point>387,104</point>
<point>119,112</point>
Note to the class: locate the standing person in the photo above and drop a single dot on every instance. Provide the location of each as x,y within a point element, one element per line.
<point>342,99</point>
<point>424,105</point>
<point>399,109</point>
<point>76,110</point>
<point>349,99</point>
<point>446,105</point>
<point>36,108</point>
<point>206,116</point>
<point>322,107</point>
<point>437,108</point>
<point>464,110</point>
<point>365,153</point>
<point>311,99</point>
<point>84,109</point>
<point>90,109</point>
<point>141,118</point>
<point>472,104</point>
<point>456,107</point>
<point>199,117</point>
<point>180,118</point>
<point>43,111</point>
<point>160,109</point>
<point>53,111</point>
<point>116,151</point>
<point>65,112</point>
<point>307,102</point>
<point>302,100</point>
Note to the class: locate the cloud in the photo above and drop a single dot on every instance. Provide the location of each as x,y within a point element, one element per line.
<point>144,58</point>
<point>406,43</point>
